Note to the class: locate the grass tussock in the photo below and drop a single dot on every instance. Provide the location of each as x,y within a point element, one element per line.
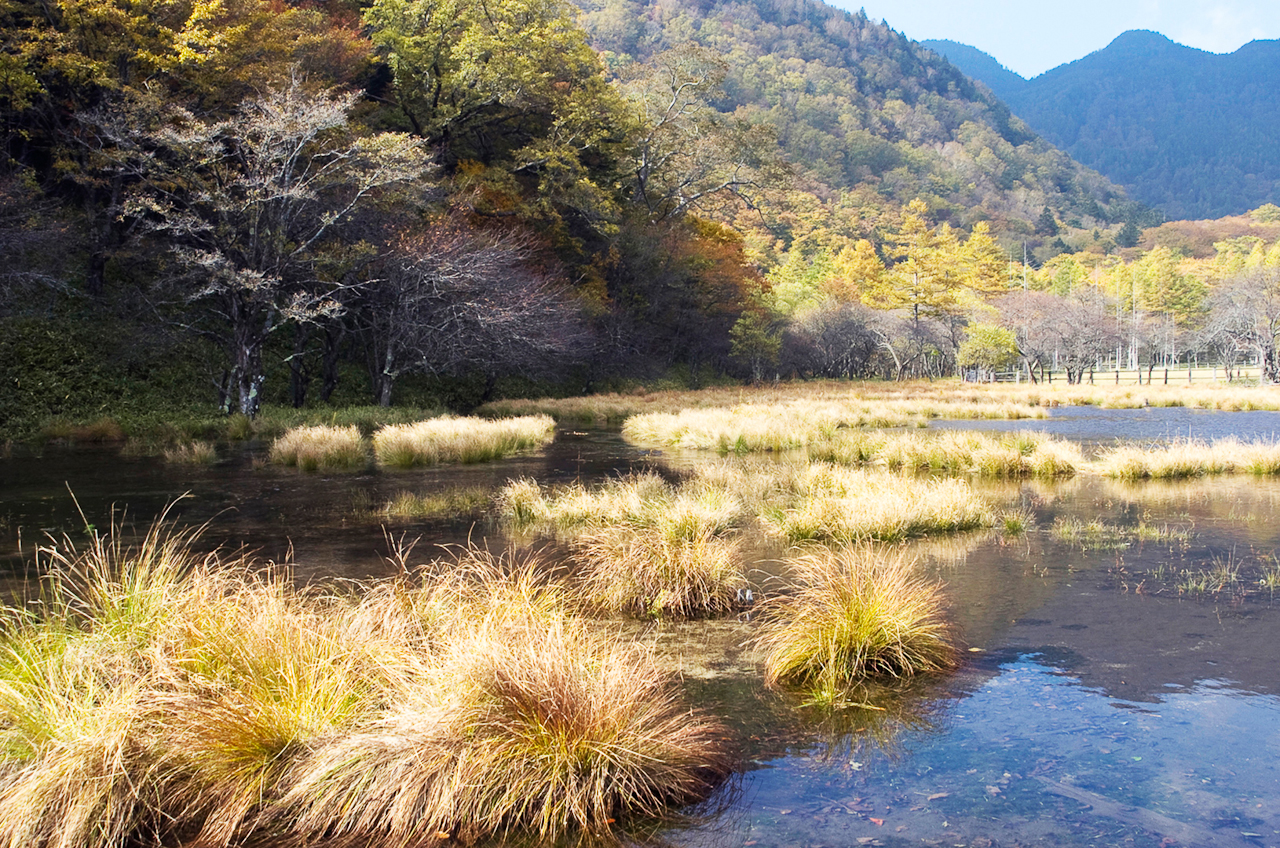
<point>1008,455</point>
<point>851,615</point>
<point>650,574</point>
<point>645,547</point>
<point>449,504</point>
<point>321,448</point>
<point>756,427</point>
<point>157,695</point>
<point>191,453</point>
<point>449,439</point>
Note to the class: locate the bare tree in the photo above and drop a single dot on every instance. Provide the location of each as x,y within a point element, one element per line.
<point>1073,330</point>
<point>454,299</point>
<point>248,206</point>
<point>832,340</point>
<point>1244,315</point>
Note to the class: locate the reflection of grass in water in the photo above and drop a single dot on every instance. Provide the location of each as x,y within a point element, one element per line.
<point>869,721</point>
<point>1099,535</point>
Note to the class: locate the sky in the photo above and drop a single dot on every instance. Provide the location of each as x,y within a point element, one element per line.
<point>1031,36</point>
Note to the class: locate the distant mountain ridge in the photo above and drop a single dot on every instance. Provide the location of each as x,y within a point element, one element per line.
<point>1190,132</point>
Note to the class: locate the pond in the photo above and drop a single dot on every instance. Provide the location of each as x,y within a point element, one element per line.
<point>1108,697</point>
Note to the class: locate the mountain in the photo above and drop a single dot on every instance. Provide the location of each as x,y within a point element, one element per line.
<point>1190,132</point>
<point>868,117</point>
<point>981,66</point>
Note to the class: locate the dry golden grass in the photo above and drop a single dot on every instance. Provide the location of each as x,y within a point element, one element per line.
<point>191,453</point>
<point>645,547</point>
<point>1025,454</point>
<point>934,398</point>
<point>850,615</point>
<point>1186,459</point>
<point>321,448</point>
<point>754,427</point>
<point>841,505</point>
<point>162,696</point>
<point>465,440</point>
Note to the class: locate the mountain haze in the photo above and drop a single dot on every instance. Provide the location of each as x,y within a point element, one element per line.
<point>1190,132</point>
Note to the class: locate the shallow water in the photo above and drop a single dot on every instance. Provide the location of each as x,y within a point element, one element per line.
<point>1095,426</point>
<point>1097,705</point>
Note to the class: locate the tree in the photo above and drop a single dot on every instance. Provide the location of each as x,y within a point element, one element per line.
<point>988,348</point>
<point>1245,312</point>
<point>456,300</point>
<point>247,206</point>
<point>1128,235</point>
<point>1046,224</point>
<point>1073,331</point>
<point>512,96</point>
<point>832,339</point>
<point>686,156</point>
<point>932,272</point>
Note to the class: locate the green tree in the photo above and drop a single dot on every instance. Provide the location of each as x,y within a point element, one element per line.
<point>987,347</point>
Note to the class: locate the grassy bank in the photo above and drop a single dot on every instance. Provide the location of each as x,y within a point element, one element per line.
<point>158,694</point>
<point>450,439</point>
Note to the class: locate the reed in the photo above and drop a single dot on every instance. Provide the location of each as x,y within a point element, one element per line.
<point>851,615</point>
<point>465,440</point>
<point>321,448</point>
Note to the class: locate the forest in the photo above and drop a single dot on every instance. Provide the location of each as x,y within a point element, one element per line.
<point>239,203</point>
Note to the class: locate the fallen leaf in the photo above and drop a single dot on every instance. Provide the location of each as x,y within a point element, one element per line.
<point>877,822</point>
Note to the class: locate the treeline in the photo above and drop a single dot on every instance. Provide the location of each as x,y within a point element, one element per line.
<point>253,201</point>
<point>1079,312</point>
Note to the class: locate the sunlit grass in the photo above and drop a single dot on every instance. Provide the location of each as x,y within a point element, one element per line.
<point>447,504</point>
<point>755,427</point>
<point>1187,459</point>
<point>1022,454</point>
<point>833,504</point>
<point>464,440</point>
<point>850,615</point>
<point>158,695</point>
<point>321,448</point>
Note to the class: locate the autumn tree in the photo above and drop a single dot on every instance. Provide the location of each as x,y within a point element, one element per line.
<point>248,204</point>
<point>932,272</point>
<point>511,95</point>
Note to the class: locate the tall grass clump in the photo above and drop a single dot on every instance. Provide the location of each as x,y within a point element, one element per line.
<point>1191,458</point>
<point>154,695</point>
<point>465,440</point>
<point>853,615</point>
<point>1021,454</point>
<point>191,453</point>
<point>321,448</point>
<point>645,547</point>
<point>626,569</point>
<point>552,729</point>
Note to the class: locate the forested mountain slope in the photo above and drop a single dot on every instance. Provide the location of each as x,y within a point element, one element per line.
<point>865,113</point>
<point>1188,131</point>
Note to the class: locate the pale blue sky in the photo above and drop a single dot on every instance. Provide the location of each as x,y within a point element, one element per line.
<point>1032,36</point>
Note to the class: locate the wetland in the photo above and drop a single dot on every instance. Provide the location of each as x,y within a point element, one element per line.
<point>1119,672</point>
